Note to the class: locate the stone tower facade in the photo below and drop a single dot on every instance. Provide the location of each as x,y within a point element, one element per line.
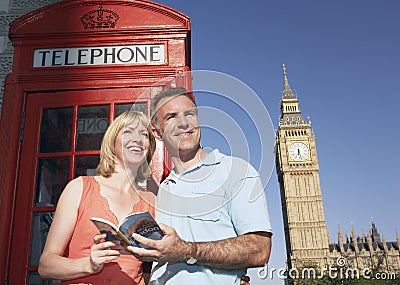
<point>306,235</point>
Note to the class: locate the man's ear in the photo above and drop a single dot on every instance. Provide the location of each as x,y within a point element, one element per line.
<point>156,133</point>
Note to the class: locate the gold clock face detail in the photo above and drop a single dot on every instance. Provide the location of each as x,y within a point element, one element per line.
<point>298,151</point>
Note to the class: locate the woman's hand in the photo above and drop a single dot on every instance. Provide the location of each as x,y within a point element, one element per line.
<point>102,252</point>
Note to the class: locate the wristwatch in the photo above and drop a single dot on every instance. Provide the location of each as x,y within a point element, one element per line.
<point>191,258</point>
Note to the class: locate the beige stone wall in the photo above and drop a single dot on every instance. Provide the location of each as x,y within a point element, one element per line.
<point>305,218</point>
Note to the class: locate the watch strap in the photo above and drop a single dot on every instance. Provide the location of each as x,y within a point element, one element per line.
<point>191,257</point>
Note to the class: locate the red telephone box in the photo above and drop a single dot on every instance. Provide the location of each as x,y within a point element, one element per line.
<point>77,65</point>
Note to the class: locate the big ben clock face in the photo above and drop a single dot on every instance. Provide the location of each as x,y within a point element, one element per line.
<point>298,151</point>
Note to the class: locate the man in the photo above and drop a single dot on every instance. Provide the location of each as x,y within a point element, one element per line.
<point>215,226</point>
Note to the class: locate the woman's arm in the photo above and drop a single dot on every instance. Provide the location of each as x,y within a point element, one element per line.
<point>52,263</point>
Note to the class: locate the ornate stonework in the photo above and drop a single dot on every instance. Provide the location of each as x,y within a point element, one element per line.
<point>17,9</point>
<point>5,64</point>
<point>367,251</point>
<point>31,4</point>
<point>8,46</point>
<point>6,19</point>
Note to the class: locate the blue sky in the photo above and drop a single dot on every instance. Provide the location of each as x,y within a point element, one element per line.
<point>343,61</point>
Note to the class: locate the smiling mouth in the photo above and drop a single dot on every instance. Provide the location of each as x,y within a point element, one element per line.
<point>135,148</point>
<point>185,133</point>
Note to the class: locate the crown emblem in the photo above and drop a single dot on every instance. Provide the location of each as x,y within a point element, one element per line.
<point>99,19</point>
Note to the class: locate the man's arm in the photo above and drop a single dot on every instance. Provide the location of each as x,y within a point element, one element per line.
<point>248,250</point>
<point>245,251</point>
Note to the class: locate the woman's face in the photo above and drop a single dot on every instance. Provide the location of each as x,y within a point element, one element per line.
<point>132,144</point>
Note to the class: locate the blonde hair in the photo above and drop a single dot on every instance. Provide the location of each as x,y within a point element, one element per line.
<point>107,153</point>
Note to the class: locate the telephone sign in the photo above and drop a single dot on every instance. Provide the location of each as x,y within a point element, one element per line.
<point>100,55</point>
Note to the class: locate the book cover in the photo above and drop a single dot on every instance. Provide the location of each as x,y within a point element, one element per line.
<point>141,223</point>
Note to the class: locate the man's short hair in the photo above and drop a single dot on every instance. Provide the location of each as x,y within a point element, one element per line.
<point>168,93</point>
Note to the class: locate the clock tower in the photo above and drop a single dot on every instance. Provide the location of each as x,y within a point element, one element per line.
<point>306,235</point>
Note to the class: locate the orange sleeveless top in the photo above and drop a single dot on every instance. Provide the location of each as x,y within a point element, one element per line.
<point>126,269</point>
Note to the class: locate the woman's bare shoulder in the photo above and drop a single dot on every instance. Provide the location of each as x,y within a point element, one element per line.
<point>74,188</point>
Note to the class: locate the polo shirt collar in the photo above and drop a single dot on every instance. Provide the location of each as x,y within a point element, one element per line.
<point>214,157</point>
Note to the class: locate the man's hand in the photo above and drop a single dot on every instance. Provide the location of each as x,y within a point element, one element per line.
<point>170,248</point>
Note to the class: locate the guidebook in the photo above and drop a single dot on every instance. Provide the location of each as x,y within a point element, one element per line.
<point>141,223</point>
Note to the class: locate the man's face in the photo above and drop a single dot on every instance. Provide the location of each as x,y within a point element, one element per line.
<point>178,124</point>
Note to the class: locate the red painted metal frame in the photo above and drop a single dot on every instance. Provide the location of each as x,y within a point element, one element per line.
<point>59,26</point>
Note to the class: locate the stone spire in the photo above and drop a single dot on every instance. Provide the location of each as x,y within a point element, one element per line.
<point>290,110</point>
<point>374,232</point>
<point>354,238</point>
<point>384,243</point>
<point>369,240</point>
<point>340,239</point>
<point>348,238</point>
<point>364,236</point>
<point>287,91</point>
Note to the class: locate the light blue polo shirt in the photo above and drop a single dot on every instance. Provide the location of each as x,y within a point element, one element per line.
<point>220,198</point>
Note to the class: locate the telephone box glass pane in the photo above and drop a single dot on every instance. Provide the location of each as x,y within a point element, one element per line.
<point>55,130</point>
<point>52,177</point>
<point>120,108</point>
<point>92,124</point>
<point>40,227</point>
<point>34,279</point>
<point>86,165</point>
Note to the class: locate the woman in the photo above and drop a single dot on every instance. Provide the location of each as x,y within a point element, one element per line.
<point>125,156</point>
